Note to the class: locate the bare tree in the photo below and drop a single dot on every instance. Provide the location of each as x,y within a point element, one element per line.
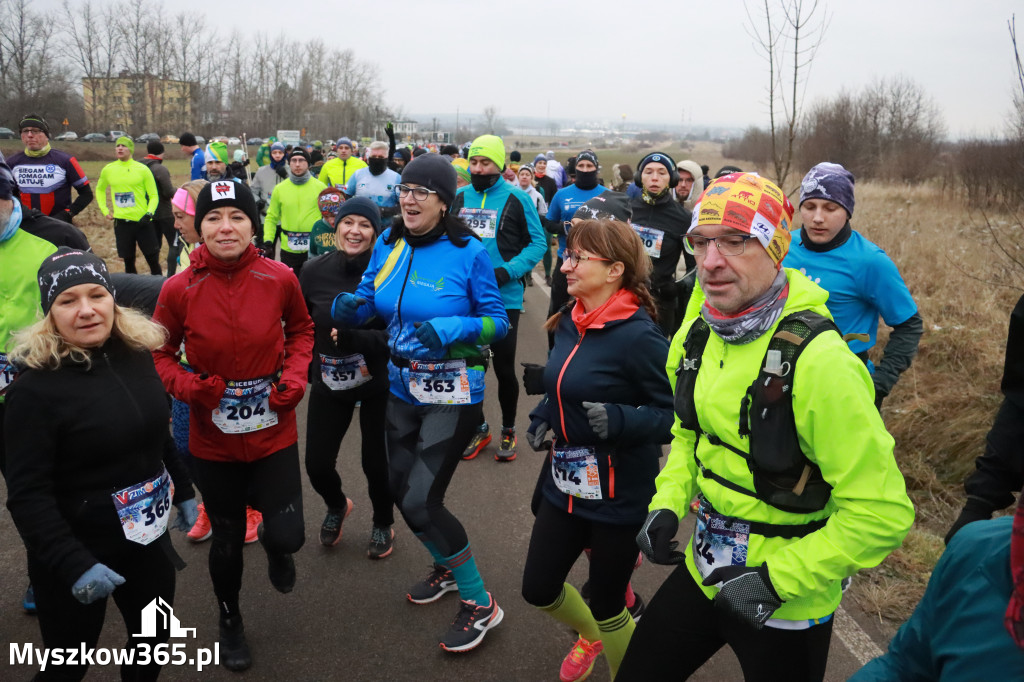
<point>792,32</point>
<point>491,121</point>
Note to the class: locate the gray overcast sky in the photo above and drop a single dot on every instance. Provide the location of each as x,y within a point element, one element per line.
<point>594,60</point>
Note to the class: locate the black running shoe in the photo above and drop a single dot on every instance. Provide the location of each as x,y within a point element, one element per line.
<point>234,650</point>
<point>382,542</point>
<point>433,587</point>
<point>471,624</point>
<point>280,568</point>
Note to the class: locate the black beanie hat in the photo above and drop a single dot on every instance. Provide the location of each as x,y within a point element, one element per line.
<point>404,153</point>
<point>657,157</point>
<point>435,172</point>
<point>67,268</point>
<point>613,205</point>
<point>515,156</point>
<point>299,151</point>
<point>223,193</point>
<point>187,140</point>
<point>34,121</point>
<point>361,206</point>
<point>154,147</point>
<point>587,155</point>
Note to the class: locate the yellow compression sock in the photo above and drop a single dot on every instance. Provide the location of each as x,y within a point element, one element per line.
<point>615,634</point>
<point>570,609</point>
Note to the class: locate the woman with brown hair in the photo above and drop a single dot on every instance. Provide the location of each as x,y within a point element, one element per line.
<point>609,411</point>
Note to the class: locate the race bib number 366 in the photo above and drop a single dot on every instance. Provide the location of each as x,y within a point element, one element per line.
<point>439,383</point>
<point>245,406</point>
<point>144,508</point>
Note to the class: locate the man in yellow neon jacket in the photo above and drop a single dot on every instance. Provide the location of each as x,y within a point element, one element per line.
<point>295,206</point>
<point>133,190</point>
<point>763,579</point>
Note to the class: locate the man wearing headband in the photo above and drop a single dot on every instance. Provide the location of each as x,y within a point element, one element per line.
<point>778,438</point>
<point>133,189</point>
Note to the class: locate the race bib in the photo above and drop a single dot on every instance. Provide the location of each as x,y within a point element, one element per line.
<point>439,383</point>
<point>342,374</point>
<point>245,406</point>
<point>124,199</point>
<point>483,221</point>
<point>7,373</point>
<point>297,241</point>
<point>651,238</point>
<point>145,508</point>
<point>575,472</point>
<point>718,540</point>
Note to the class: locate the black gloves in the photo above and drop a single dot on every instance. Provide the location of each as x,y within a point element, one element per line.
<point>974,510</point>
<point>655,538</point>
<point>747,593</point>
<point>268,249</point>
<point>502,276</point>
<point>146,219</point>
<point>533,378</point>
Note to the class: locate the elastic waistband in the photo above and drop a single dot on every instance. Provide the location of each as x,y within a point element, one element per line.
<point>406,363</point>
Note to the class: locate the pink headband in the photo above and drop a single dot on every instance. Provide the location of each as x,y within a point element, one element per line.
<point>183,201</point>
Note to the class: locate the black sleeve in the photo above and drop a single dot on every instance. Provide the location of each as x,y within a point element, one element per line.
<point>899,352</point>
<point>85,196</point>
<point>137,291</point>
<point>183,489</point>
<point>1000,470</point>
<point>30,430</point>
<point>1013,369</point>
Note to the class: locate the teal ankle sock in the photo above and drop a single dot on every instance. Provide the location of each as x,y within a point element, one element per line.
<point>471,584</point>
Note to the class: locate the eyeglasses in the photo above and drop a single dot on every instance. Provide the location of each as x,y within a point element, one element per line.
<point>31,131</point>
<point>574,257</point>
<point>418,193</point>
<point>728,244</point>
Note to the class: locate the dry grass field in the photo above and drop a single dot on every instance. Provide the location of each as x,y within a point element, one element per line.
<point>965,287</point>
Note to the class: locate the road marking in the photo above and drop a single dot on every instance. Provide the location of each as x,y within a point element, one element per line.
<point>858,642</point>
<point>850,633</point>
<point>538,279</point>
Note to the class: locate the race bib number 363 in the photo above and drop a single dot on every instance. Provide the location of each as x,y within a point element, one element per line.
<point>445,382</point>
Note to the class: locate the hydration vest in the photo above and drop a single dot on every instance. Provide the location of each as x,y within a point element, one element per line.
<point>783,475</point>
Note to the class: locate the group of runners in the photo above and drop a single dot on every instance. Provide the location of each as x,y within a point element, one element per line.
<point>755,373</point>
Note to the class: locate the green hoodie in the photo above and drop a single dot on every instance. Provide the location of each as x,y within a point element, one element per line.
<point>839,429</point>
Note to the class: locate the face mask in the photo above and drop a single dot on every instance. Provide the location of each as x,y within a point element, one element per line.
<point>377,165</point>
<point>482,183</point>
<point>13,222</point>
<point>586,179</point>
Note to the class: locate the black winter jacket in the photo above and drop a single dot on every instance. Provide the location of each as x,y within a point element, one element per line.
<point>322,279</point>
<point>619,362</point>
<point>75,436</point>
<point>668,216</point>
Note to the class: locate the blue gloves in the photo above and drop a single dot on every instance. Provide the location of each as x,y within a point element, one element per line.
<point>655,538</point>
<point>96,583</point>
<point>344,308</point>
<point>427,336</point>
<point>188,512</point>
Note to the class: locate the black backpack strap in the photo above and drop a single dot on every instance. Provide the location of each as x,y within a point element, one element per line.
<point>686,373</point>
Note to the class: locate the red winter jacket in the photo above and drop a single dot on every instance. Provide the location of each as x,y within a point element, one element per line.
<point>229,316</point>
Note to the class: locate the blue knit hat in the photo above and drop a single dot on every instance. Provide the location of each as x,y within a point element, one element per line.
<point>831,182</point>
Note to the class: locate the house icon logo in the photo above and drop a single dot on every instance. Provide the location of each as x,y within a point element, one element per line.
<point>157,616</point>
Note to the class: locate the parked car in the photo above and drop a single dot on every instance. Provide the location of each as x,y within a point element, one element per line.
<point>68,136</point>
<point>254,141</point>
<point>221,138</point>
<point>169,139</point>
<point>7,134</point>
<point>147,137</point>
<point>95,137</point>
<point>200,140</point>
<point>112,135</point>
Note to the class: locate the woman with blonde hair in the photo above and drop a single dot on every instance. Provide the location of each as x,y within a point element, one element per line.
<point>91,472</point>
<point>609,413</point>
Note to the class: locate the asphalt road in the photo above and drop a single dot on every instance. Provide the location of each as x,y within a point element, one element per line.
<point>348,618</point>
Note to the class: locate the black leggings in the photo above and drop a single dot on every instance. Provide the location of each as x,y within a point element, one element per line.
<point>557,541</point>
<point>559,296</point>
<point>681,629</point>
<point>504,362</point>
<point>67,623</point>
<point>271,485</point>
<point>294,260</point>
<point>425,444</point>
<point>128,233</point>
<point>327,421</point>
<point>165,230</point>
